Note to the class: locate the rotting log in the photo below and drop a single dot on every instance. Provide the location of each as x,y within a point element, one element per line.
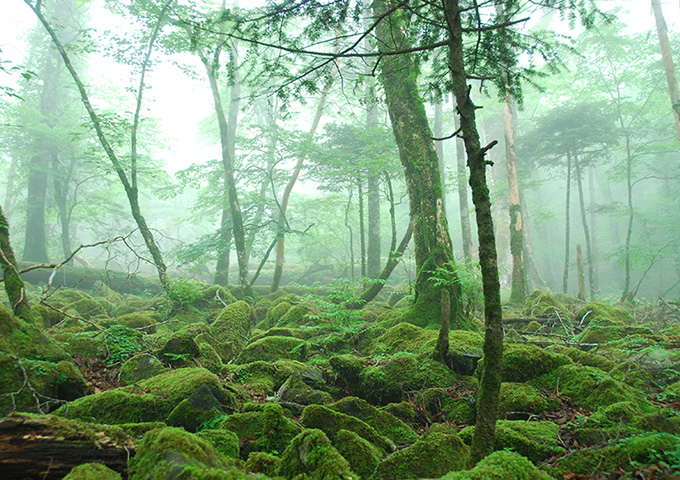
<point>48,447</point>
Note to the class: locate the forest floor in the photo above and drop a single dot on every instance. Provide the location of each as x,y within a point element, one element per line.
<point>103,385</point>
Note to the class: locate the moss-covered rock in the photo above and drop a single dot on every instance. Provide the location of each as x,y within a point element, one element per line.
<point>83,345</point>
<point>179,350</point>
<point>267,430</point>
<point>584,358</point>
<point>207,402</point>
<point>502,465</point>
<point>213,297</point>
<point>615,414</point>
<point>92,471</point>
<point>604,334</point>
<point>263,463</point>
<point>525,399</point>
<point>233,325</point>
<point>406,337</point>
<point>656,423</point>
<point>311,454</point>
<point>87,308</point>
<point>277,310</point>
<point>439,452</point>
<point>296,391</point>
<point>140,367</point>
<point>631,374</point>
<point>331,422</point>
<point>524,362</point>
<point>545,303</point>
<point>274,348</point>
<point>404,411</point>
<point>139,321</point>
<point>266,376</point>
<point>362,455</point>
<point>601,314</point>
<point>169,453</point>
<point>122,343</point>
<point>590,387</point>
<point>295,316</point>
<point>382,421</point>
<point>535,440</point>
<point>225,441</point>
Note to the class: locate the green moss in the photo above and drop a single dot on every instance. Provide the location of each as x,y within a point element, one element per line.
<point>265,376</point>
<point>173,453</point>
<point>362,455</point>
<point>503,465</point>
<point>225,441</point>
<point>213,297</point>
<point>312,454</point>
<point>545,303</point>
<point>295,316</point>
<point>616,413</point>
<point>179,350</point>
<point>27,341</point>
<point>331,422</point>
<point>656,423</point>
<point>524,362</point>
<point>601,314</point>
<point>433,456</point>
<point>383,422</point>
<point>534,440</point>
<point>232,326</point>
<point>584,358</point>
<point>274,348</point>
<point>138,320</point>
<point>207,402</point>
<point>87,308</point>
<point>81,344</point>
<point>274,314</point>
<point>67,296</point>
<point>140,367</point>
<point>404,411</point>
<point>113,407</point>
<point>519,397</point>
<point>122,343</point>
<point>138,430</point>
<point>92,471</point>
<point>590,387</point>
<point>263,463</point>
<point>295,390</point>
<point>605,334</point>
<point>631,374</point>
<point>209,359</point>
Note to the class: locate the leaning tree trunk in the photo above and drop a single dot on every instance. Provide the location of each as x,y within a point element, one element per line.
<point>668,65</point>
<point>518,292</point>
<point>14,285</point>
<point>129,186</point>
<point>490,382</point>
<point>433,249</point>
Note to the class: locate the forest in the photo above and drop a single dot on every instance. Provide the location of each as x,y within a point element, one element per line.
<point>339,239</point>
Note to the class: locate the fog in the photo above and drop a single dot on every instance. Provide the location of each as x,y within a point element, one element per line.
<point>593,123</point>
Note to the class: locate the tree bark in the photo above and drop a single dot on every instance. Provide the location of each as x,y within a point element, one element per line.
<point>35,246</point>
<point>490,382</point>
<point>567,228</point>
<point>283,227</point>
<point>463,206</point>
<point>14,285</point>
<point>439,146</point>
<point>593,229</point>
<point>518,291</point>
<point>223,247</point>
<point>433,249</point>
<point>362,225</point>
<point>579,273</point>
<point>668,65</point>
<point>584,222</point>
<point>441,350</point>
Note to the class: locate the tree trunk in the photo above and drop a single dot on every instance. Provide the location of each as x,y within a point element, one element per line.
<point>61,179</point>
<point>280,244</point>
<point>579,273</point>
<point>130,189</point>
<point>223,248</point>
<point>433,249</point>
<point>35,246</point>
<point>463,206</point>
<point>14,285</point>
<point>567,228</point>
<point>9,192</point>
<point>441,350</point>
<point>362,226</point>
<point>668,65</point>
<point>490,382</point>
<point>439,146</point>
<point>593,229</point>
<point>584,222</point>
<point>518,292</point>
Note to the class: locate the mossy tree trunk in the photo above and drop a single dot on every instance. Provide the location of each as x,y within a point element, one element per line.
<point>669,66</point>
<point>584,222</point>
<point>433,249</point>
<point>490,383</point>
<point>14,285</point>
<point>463,207</point>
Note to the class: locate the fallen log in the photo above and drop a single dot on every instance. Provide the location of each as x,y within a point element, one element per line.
<point>48,447</point>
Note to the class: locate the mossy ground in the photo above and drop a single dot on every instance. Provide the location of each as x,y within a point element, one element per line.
<point>270,390</point>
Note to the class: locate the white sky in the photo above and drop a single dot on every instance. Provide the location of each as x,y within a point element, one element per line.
<point>181,103</point>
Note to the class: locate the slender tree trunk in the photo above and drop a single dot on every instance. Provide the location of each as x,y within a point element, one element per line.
<point>60,179</point>
<point>579,273</point>
<point>567,228</point>
<point>439,146</point>
<point>518,292</point>
<point>14,286</point>
<point>280,244</point>
<point>441,350</point>
<point>130,191</point>
<point>584,222</point>
<point>668,65</point>
<point>9,192</point>
<point>223,247</point>
<point>362,226</point>
<point>35,246</point>
<point>490,382</point>
<point>351,233</point>
<point>433,249</point>
<point>626,295</point>
<point>463,206</point>
<point>593,229</point>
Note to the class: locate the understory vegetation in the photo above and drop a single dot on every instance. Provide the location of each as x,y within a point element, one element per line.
<point>291,385</point>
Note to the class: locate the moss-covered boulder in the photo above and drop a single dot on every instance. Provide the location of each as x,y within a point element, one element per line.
<point>541,303</point>
<point>263,463</point>
<point>92,471</point>
<point>206,403</point>
<point>172,453</point>
<point>631,374</point>
<point>584,358</point>
<point>232,326</point>
<point>439,452</point>
<point>140,367</point>
<point>524,362</point>
<point>535,440</point>
<point>122,343</point>
<point>609,333</point>
<point>213,297</point>
<point>225,441</point>
<point>82,344</point>
<point>87,308</point>
<point>601,314</point>
<point>276,310</point>
<point>311,454</point>
<point>296,391</point>
<point>295,316</point>
<point>403,410</point>
<point>267,430</point>
<point>502,465</point>
<point>382,421</point>
<point>274,348</point>
<point>590,387</point>
<point>520,398</point>
<point>179,350</point>
<point>264,376</point>
<point>331,422</point>
<point>362,455</point>
<point>139,321</point>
